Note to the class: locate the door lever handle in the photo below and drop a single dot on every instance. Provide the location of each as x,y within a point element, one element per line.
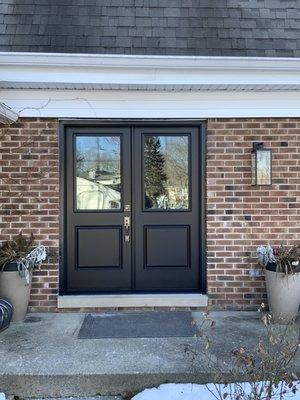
<point>126,222</point>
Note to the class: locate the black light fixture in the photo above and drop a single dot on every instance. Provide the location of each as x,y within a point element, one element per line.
<point>261,165</point>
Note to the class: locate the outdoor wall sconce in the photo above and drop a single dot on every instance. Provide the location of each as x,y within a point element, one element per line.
<point>261,160</point>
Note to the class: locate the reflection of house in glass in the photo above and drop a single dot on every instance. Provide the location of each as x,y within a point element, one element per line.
<point>108,178</point>
<point>96,196</point>
<point>98,172</point>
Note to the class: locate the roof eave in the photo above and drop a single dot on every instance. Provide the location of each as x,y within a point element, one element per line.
<point>147,61</point>
<point>131,72</point>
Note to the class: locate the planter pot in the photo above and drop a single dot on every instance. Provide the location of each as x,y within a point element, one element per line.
<point>14,288</point>
<point>6,312</point>
<point>283,295</point>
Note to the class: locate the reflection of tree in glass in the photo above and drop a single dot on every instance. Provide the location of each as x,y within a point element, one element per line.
<point>80,159</point>
<point>97,156</point>
<point>155,177</point>
<point>177,161</point>
<point>176,153</point>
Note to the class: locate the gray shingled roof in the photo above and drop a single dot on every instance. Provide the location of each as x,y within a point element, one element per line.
<point>177,27</point>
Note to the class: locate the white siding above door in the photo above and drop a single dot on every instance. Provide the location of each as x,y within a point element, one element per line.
<point>151,104</point>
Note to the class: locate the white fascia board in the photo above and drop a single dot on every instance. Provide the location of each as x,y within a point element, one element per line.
<point>38,70</point>
<point>146,61</point>
<point>7,115</point>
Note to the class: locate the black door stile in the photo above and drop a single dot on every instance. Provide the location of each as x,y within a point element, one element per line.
<point>167,241</point>
<point>160,250</point>
<point>98,259</point>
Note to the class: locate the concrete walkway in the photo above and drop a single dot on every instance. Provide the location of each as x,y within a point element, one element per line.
<point>44,358</point>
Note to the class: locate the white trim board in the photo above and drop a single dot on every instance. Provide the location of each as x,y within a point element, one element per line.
<point>133,300</point>
<point>150,104</point>
<point>130,72</point>
<point>148,61</point>
<point>7,115</point>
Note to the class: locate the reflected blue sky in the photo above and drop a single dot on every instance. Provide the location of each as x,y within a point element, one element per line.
<point>109,144</point>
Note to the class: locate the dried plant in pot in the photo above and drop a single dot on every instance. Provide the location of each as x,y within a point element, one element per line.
<point>282,273</point>
<point>18,258</point>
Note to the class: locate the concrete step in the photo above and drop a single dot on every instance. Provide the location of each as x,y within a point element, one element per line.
<point>44,358</point>
<point>42,386</point>
<point>76,398</point>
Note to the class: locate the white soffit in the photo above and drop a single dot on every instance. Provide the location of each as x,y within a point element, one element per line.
<point>154,73</point>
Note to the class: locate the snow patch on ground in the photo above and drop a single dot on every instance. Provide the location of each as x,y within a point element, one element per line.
<point>175,391</point>
<point>188,391</point>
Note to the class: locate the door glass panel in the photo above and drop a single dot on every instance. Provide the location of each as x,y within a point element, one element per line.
<point>98,172</point>
<point>166,172</point>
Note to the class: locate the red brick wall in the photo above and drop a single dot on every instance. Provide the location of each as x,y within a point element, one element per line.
<point>239,216</point>
<point>29,195</point>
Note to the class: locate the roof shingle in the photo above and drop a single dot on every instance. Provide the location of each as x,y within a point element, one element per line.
<point>158,27</point>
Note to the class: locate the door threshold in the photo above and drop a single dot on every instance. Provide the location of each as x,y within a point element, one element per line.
<point>133,300</point>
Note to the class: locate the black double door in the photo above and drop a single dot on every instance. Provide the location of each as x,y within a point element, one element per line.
<point>132,208</point>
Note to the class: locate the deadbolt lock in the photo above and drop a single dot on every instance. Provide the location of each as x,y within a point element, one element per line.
<point>127,207</point>
<point>126,222</point>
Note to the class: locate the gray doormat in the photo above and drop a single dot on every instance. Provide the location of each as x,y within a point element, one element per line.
<point>150,324</point>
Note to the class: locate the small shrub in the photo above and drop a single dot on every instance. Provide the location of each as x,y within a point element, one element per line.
<point>264,372</point>
<point>16,249</point>
<point>24,253</point>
